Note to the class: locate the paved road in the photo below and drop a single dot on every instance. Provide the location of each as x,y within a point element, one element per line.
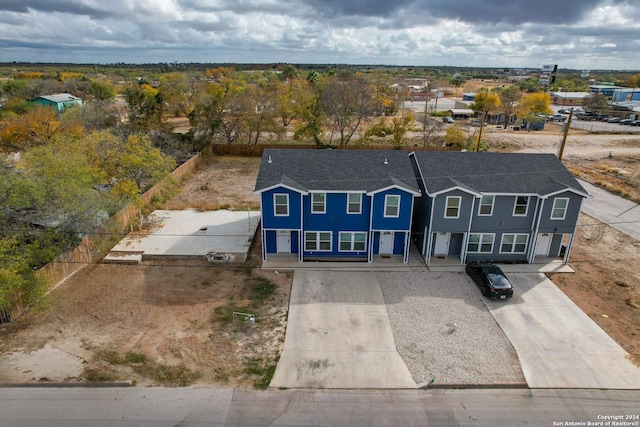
<point>339,335</point>
<point>558,345</point>
<point>620,213</point>
<point>190,407</point>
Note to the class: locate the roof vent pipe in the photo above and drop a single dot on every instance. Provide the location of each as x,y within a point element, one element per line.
<point>386,162</point>
<point>269,161</point>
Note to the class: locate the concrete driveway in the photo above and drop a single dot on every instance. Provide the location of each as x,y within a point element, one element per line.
<point>339,335</point>
<point>558,345</point>
<point>618,212</point>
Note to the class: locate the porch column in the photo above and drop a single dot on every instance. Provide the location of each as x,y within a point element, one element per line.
<point>300,248</point>
<point>370,251</point>
<point>407,242</point>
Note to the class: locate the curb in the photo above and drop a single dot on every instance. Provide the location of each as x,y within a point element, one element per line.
<point>445,386</point>
<point>115,384</point>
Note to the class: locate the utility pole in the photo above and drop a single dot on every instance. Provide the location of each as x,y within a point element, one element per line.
<point>564,137</point>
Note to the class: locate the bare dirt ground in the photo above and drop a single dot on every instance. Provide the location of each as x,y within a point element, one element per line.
<point>172,323</point>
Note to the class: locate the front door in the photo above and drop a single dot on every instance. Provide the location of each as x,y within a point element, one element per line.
<point>442,244</point>
<point>544,242</point>
<point>386,243</point>
<point>284,242</point>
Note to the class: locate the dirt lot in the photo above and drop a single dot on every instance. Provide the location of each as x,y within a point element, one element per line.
<point>166,322</point>
<point>172,323</point>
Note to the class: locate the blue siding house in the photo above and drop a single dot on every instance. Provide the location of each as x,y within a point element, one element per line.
<point>495,206</point>
<point>59,101</point>
<point>336,204</point>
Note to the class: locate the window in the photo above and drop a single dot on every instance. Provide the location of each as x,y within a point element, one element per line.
<point>281,204</point>
<point>391,206</point>
<point>514,243</point>
<point>354,203</point>
<point>520,208</point>
<point>317,241</point>
<point>486,206</point>
<point>353,242</point>
<point>559,209</point>
<point>453,207</point>
<point>480,243</point>
<point>318,202</point>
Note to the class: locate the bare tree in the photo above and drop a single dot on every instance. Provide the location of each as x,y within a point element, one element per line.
<point>346,104</point>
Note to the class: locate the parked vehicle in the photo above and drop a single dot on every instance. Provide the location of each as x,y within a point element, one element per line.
<point>635,123</point>
<point>564,111</point>
<point>585,116</point>
<point>447,120</point>
<point>476,123</point>
<point>557,118</point>
<point>613,120</point>
<point>625,122</point>
<point>493,283</point>
<point>602,117</point>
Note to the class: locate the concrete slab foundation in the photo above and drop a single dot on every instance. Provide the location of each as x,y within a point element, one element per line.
<point>223,235</point>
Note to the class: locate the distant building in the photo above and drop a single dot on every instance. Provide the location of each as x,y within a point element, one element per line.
<point>59,101</point>
<point>626,94</point>
<point>606,90</point>
<point>568,98</point>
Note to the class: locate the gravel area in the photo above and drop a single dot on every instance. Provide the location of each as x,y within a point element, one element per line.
<point>443,330</point>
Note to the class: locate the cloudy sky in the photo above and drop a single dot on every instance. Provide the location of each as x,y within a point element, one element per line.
<point>578,34</point>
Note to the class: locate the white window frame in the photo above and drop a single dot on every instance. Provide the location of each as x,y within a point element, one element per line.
<point>481,243</point>
<point>352,241</point>
<point>386,205</point>
<point>480,205</point>
<point>446,207</point>
<point>526,209</point>
<point>514,243</point>
<point>349,203</point>
<point>275,204</point>
<point>324,203</point>
<point>564,209</point>
<point>317,241</point>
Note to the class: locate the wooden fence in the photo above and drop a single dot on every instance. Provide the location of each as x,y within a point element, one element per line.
<point>95,245</point>
<point>257,150</point>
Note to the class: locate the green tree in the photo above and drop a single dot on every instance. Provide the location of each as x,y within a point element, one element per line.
<point>19,285</point>
<point>102,91</point>
<point>310,113</point>
<point>485,102</point>
<point>456,137</point>
<point>261,114</point>
<point>633,81</point>
<point>38,126</point>
<point>400,127</point>
<point>597,103</point>
<point>509,98</point>
<point>132,163</point>
<point>534,105</point>
<point>145,107</point>
<point>182,93</point>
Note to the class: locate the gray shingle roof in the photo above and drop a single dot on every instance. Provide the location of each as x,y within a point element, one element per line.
<point>336,170</point>
<point>485,172</point>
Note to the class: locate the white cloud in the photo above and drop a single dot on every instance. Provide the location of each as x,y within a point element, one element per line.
<point>574,33</point>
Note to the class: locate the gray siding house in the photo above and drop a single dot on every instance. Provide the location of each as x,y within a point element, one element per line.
<point>494,206</point>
